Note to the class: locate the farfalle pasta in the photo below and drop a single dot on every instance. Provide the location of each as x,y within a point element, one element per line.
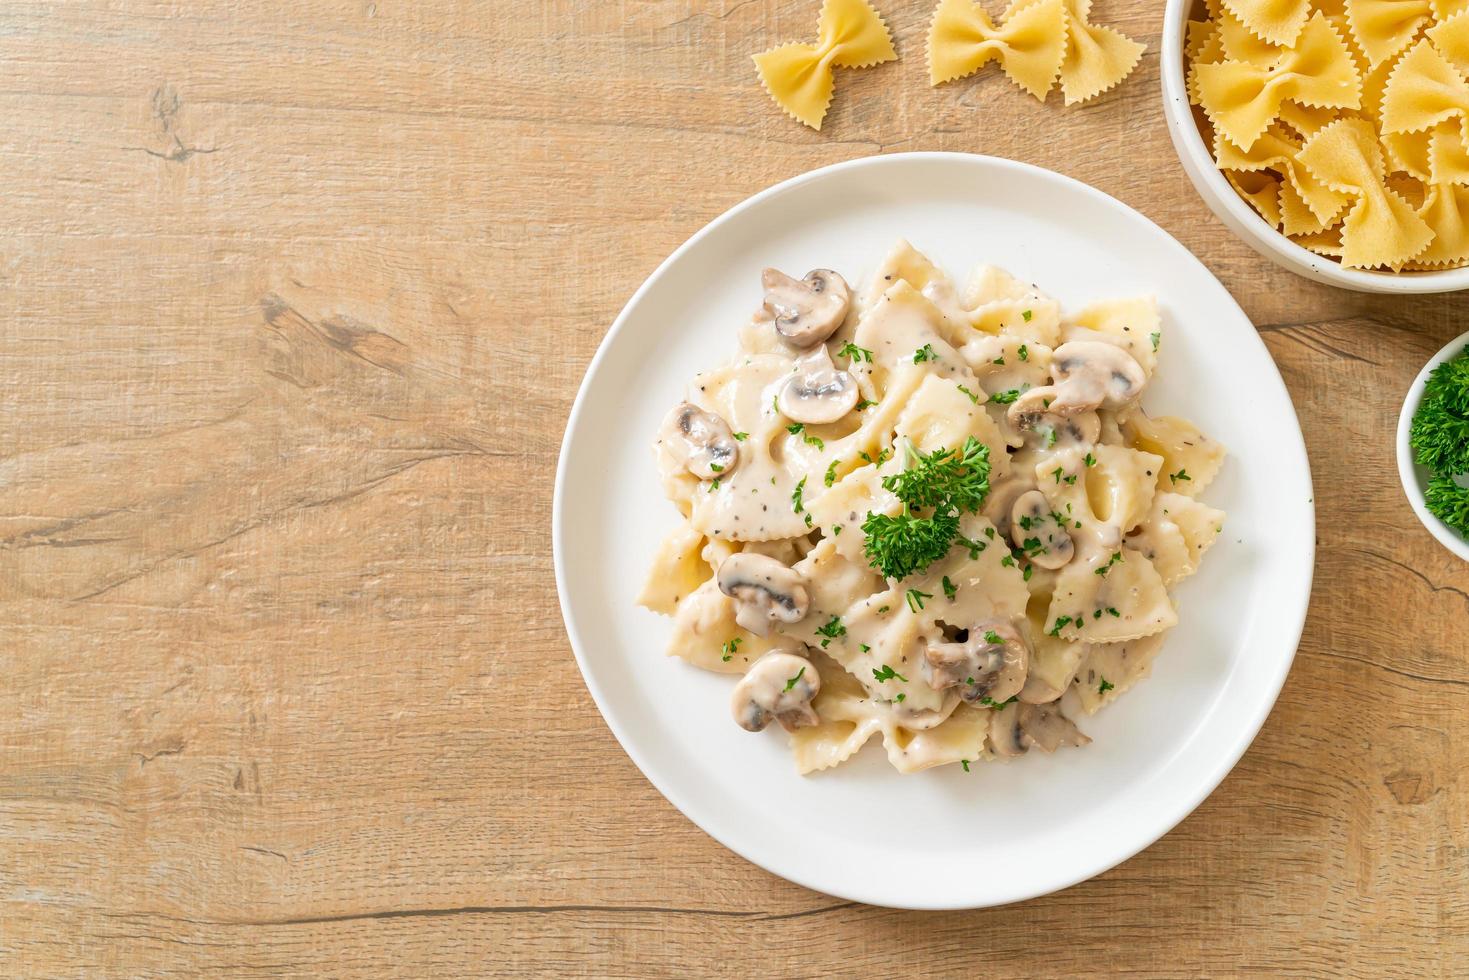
<point>1035,42</point>
<point>849,34</point>
<point>1352,137</point>
<point>933,517</point>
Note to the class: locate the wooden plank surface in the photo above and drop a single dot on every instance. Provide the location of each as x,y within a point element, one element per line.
<point>295,300</point>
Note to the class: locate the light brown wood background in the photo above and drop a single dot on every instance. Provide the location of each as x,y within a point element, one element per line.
<point>296,297</point>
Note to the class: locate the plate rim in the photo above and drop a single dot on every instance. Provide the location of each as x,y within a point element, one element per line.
<point>1246,732</point>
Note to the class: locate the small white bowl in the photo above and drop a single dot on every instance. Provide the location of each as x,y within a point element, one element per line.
<point>1415,477</point>
<point>1236,213</point>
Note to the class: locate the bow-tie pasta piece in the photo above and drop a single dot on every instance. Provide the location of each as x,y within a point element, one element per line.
<point>1446,210</point>
<point>1380,228</point>
<point>1276,151</point>
<point>1260,189</point>
<point>1326,242</point>
<point>1424,90</point>
<point>1191,459</point>
<point>1242,98</point>
<point>1382,28</point>
<point>849,34</point>
<point>1096,58</point>
<point>1276,21</point>
<point>1111,668</point>
<point>1448,156</point>
<point>1175,535</point>
<point>1451,37</point>
<point>1029,45</point>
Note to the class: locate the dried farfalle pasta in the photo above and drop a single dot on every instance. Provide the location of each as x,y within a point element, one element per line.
<point>1276,21</point>
<point>1242,98</point>
<point>1277,151</point>
<point>1382,28</point>
<point>1446,211</point>
<point>849,34</point>
<point>1261,190</point>
<point>1424,91</point>
<point>1381,228</point>
<point>1029,44</point>
<point>1097,57</point>
<point>1451,37</point>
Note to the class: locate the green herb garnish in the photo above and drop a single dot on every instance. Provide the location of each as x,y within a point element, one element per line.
<point>915,599</point>
<point>857,354</point>
<point>886,673</point>
<point>791,682</point>
<point>1005,397</point>
<point>729,647</point>
<point>945,483</point>
<point>924,353</point>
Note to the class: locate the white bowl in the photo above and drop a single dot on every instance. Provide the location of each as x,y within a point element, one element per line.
<point>944,838</point>
<point>1415,477</point>
<point>1236,213</point>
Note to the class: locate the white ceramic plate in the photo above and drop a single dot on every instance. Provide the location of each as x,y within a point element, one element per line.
<point>942,838</point>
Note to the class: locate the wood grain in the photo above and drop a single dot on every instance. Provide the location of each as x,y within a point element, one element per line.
<point>296,299</point>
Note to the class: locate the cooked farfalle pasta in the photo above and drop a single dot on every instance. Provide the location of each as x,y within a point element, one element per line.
<point>1036,42</point>
<point>1352,137</point>
<point>849,34</point>
<point>931,516</point>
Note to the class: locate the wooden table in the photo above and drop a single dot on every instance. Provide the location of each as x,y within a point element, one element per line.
<point>296,299</point>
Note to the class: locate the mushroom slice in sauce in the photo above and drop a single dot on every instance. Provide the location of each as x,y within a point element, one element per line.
<point>990,663</point>
<point>1097,374</point>
<point>805,311</point>
<point>1019,726</point>
<point>818,393</point>
<point>701,439</point>
<point>1031,521</point>
<point>1044,726</point>
<point>1037,411</point>
<point>764,590</point>
<point>779,686</point>
<point>1001,501</point>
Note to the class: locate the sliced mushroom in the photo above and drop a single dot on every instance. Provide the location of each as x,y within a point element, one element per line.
<point>818,393</point>
<point>1044,726</point>
<point>1096,374</point>
<point>1017,727</point>
<point>1001,501</point>
<point>805,311</point>
<point>1037,411</point>
<point>990,663</point>
<point>779,686</point>
<point>701,440</point>
<point>764,591</point>
<point>1031,521</point>
<point>1005,735</point>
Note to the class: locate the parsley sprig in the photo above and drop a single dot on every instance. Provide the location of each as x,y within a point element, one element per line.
<point>1439,436</point>
<point>945,483</point>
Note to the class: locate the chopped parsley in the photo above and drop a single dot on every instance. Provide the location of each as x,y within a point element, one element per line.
<point>999,360</point>
<point>900,698</point>
<point>831,473</point>
<point>1026,315</point>
<point>1008,561</point>
<point>741,436</point>
<point>713,485</point>
<point>950,589</point>
<point>945,483</point>
<point>729,648</point>
<point>864,404</point>
<point>1105,686</point>
<point>993,638</point>
<point>886,673</point>
<point>1061,623</point>
<point>865,647</point>
<point>975,547</point>
<point>915,599</point>
<point>832,630</point>
<point>1024,352</point>
<point>797,504</point>
<point>972,396</point>
<point>791,682</point>
<point>716,467</point>
<point>1154,337</point>
<point>965,764</point>
<point>1005,397</point>
<point>1180,475</point>
<point>859,355</point>
<point>996,705</point>
<point>1089,460</point>
<point>799,429</point>
<point>1439,436</point>
<point>924,353</point>
<point>1116,557</point>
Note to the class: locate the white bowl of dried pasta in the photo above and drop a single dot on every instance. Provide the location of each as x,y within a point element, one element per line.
<point>951,836</point>
<point>1186,123</point>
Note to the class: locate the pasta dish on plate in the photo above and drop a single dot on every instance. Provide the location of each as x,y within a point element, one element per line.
<point>936,515</point>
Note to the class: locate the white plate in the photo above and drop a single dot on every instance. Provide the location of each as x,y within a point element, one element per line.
<point>942,838</point>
